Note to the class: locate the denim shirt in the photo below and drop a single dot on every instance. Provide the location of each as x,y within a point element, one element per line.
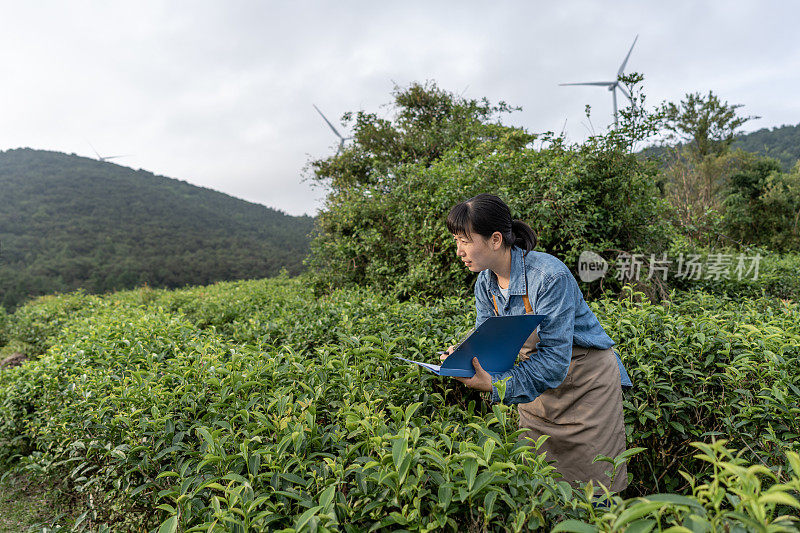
<point>553,292</point>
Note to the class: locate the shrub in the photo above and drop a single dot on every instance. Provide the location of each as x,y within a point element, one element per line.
<point>776,276</point>
<point>383,223</point>
<point>763,205</point>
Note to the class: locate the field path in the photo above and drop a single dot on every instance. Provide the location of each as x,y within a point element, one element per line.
<point>25,505</point>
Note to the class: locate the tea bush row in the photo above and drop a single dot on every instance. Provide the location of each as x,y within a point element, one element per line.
<point>241,312</point>
<point>254,405</point>
<point>704,365</point>
<point>148,414</point>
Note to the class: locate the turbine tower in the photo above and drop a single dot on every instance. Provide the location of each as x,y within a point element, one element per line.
<point>613,85</point>
<point>335,131</point>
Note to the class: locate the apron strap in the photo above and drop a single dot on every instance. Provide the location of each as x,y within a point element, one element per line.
<point>525,300</point>
<point>528,308</point>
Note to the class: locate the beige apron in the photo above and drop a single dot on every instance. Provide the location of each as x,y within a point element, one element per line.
<point>582,416</point>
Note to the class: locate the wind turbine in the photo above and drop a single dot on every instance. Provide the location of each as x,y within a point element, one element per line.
<point>613,85</point>
<point>335,131</point>
<point>106,158</point>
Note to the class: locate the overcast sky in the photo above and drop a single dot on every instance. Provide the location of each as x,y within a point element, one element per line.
<point>220,94</point>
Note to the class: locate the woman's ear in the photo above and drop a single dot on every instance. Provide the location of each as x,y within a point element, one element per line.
<point>497,240</point>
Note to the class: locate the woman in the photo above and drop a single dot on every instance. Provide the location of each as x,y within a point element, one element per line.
<point>568,381</point>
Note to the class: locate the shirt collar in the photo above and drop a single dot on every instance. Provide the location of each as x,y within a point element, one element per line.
<point>517,285</point>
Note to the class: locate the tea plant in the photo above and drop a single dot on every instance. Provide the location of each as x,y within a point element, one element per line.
<point>252,406</point>
<point>734,498</point>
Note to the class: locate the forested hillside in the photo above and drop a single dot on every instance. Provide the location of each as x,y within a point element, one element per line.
<point>781,143</point>
<point>68,222</point>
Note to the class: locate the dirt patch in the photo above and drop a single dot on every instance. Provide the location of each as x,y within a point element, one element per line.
<point>26,505</point>
<point>15,359</point>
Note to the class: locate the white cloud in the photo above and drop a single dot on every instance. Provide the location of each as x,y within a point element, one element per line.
<point>220,94</point>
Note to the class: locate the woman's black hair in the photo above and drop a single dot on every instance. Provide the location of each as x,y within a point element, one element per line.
<point>486,213</point>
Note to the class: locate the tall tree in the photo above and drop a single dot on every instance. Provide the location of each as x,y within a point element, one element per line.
<point>706,124</point>
<point>428,121</point>
<point>701,163</point>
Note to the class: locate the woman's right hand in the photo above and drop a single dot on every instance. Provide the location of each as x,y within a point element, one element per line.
<point>447,352</point>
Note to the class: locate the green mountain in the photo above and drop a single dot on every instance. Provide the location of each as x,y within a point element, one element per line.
<point>782,143</point>
<point>69,222</point>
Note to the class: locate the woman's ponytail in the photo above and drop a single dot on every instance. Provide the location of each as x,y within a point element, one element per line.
<point>524,237</point>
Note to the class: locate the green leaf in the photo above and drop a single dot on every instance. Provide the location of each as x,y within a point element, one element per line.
<point>404,467</point>
<point>676,499</point>
<point>170,525</point>
<point>305,517</point>
<point>398,451</point>
<point>483,479</point>
<point>794,461</point>
<point>574,526</point>
<point>253,464</point>
<point>488,502</point>
<point>213,485</point>
<point>470,469</point>
<point>779,498</point>
<point>203,432</point>
<point>641,526</point>
<point>411,409</point>
<point>326,498</point>
<point>445,495</point>
<point>637,510</point>
<point>235,477</point>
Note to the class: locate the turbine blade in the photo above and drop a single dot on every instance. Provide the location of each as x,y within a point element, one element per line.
<point>602,83</point>
<point>327,121</point>
<point>621,88</point>
<point>93,150</point>
<point>622,67</point>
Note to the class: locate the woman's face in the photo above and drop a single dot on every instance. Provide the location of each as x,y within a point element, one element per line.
<point>476,251</point>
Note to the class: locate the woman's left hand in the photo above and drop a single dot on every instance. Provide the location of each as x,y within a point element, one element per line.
<point>481,380</point>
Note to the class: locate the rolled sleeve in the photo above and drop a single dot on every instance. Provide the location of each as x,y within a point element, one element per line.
<point>547,368</point>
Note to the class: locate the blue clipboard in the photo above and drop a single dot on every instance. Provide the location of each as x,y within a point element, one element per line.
<point>496,343</point>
